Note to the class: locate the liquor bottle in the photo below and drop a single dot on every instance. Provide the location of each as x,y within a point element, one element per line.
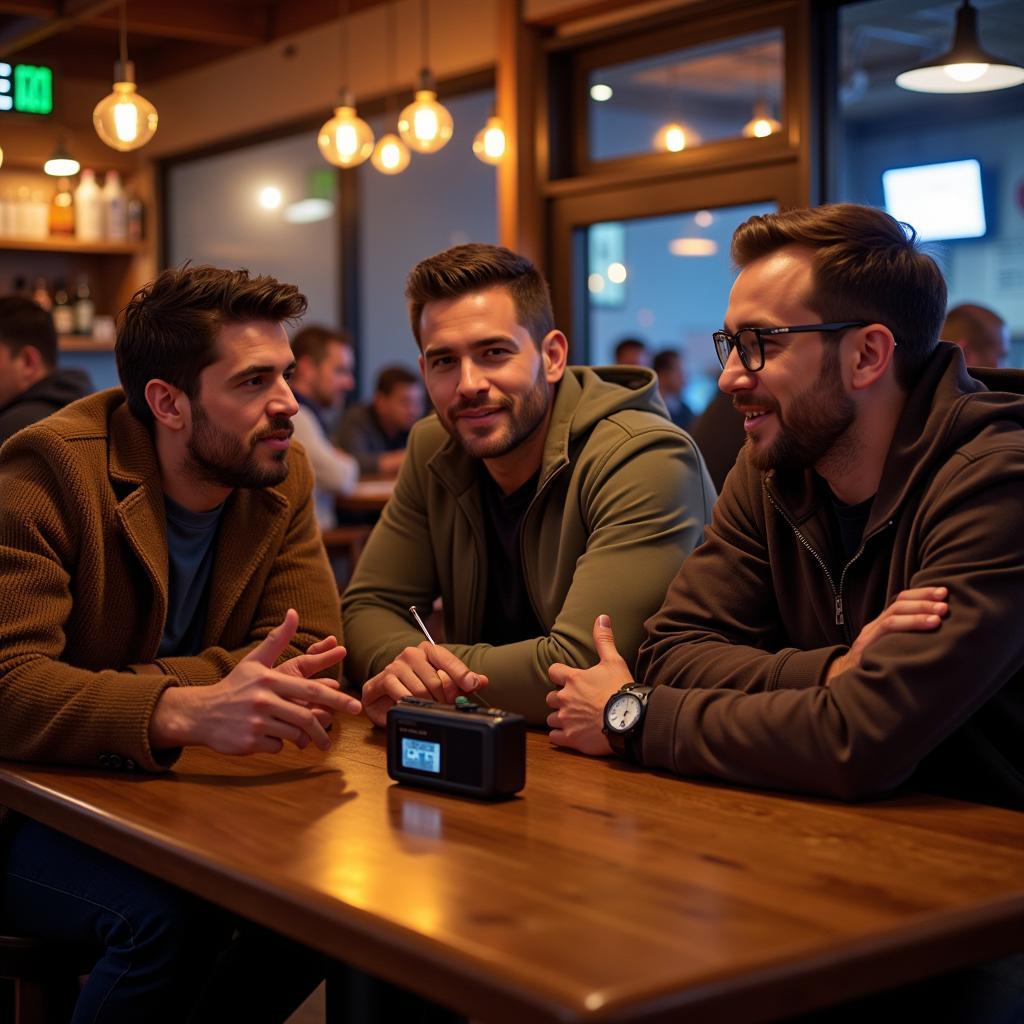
<point>41,294</point>
<point>89,207</point>
<point>63,313</point>
<point>136,213</point>
<point>62,210</point>
<point>85,310</point>
<point>115,208</point>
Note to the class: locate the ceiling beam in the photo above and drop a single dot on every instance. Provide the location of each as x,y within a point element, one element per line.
<point>235,25</point>
<point>75,15</point>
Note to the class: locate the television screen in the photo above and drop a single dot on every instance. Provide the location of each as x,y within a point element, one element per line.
<point>938,200</point>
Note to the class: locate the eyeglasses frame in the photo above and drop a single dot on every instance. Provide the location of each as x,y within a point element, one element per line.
<point>761,332</point>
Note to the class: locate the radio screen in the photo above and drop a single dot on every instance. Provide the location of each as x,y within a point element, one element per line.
<point>421,756</point>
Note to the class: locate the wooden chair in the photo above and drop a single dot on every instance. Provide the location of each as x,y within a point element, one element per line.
<point>43,977</point>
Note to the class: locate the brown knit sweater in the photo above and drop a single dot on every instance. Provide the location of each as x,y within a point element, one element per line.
<point>83,585</point>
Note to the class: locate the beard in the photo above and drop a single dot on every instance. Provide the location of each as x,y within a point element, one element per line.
<point>816,424</point>
<point>217,457</point>
<point>523,416</point>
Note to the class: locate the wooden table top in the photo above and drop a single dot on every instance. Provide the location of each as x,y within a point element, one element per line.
<point>601,893</point>
<point>370,494</point>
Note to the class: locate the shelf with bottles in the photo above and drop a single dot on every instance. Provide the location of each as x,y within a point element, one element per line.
<point>41,213</point>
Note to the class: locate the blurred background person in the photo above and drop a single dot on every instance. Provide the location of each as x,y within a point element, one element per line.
<point>376,432</point>
<point>668,365</point>
<point>982,333</point>
<point>632,352</point>
<point>322,378</point>
<point>31,385</point>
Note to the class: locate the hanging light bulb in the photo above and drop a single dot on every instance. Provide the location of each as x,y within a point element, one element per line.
<point>489,143</point>
<point>62,164</point>
<point>674,137</point>
<point>346,140</point>
<point>391,156</point>
<point>1,156</point>
<point>425,125</point>
<point>760,126</point>
<point>965,67</point>
<point>124,120</point>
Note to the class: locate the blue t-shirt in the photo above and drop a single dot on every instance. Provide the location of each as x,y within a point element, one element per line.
<point>191,540</point>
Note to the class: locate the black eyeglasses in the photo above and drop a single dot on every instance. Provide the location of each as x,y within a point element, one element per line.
<point>749,341</point>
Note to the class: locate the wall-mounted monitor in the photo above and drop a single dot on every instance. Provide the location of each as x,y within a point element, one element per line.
<point>940,201</point>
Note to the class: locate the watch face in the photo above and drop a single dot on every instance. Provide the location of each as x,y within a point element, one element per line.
<point>624,712</point>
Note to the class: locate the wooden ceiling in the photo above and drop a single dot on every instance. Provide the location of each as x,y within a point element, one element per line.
<point>80,37</point>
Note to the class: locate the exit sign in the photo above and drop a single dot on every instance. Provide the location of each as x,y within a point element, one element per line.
<point>27,88</point>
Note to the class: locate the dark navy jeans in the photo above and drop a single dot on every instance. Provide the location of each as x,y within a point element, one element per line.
<point>157,954</point>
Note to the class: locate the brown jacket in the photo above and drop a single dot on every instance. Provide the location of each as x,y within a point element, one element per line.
<point>83,585</point>
<point>750,625</point>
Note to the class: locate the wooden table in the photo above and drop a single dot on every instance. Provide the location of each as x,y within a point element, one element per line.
<point>370,495</point>
<point>602,893</point>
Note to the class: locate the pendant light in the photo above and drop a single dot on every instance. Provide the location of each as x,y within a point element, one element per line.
<point>62,164</point>
<point>489,143</point>
<point>425,125</point>
<point>391,155</point>
<point>966,67</point>
<point>124,120</point>
<point>761,125</point>
<point>675,136</point>
<point>346,140</point>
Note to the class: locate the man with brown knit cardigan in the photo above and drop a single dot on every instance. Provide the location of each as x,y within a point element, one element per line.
<point>162,584</point>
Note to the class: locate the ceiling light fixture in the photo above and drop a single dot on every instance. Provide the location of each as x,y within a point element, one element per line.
<point>489,144</point>
<point>966,67</point>
<point>345,140</point>
<point>391,155</point>
<point>62,164</point>
<point>124,120</point>
<point>425,125</point>
<point>601,93</point>
<point>674,137</point>
<point>761,125</point>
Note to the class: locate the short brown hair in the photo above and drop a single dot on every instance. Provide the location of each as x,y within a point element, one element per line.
<point>468,268</point>
<point>313,340</point>
<point>867,266</point>
<point>392,377</point>
<point>168,331</point>
<point>23,323</point>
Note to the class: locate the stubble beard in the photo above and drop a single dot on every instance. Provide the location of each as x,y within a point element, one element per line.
<point>817,425</point>
<point>216,457</point>
<point>522,421</point>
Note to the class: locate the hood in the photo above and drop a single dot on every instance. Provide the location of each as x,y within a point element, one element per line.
<point>59,388</point>
<point>948,407</point>
<point>597,392</point>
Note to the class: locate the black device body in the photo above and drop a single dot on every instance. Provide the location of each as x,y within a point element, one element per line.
<point>460,748</point>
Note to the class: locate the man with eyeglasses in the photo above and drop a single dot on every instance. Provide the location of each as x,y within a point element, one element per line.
<point>852,620</point>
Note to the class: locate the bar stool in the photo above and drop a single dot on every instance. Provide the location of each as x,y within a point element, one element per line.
<point>44,978</point>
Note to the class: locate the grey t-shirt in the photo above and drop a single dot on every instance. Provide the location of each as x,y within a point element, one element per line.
<point>191,540</point>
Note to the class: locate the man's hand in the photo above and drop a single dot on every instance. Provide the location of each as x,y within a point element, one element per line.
<point>428,671</point>
<point>256,707</point>
<point>913,611</point>
<point>578,718</point>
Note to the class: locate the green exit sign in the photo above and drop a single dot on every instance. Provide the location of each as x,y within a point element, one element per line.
<point>27,88</point>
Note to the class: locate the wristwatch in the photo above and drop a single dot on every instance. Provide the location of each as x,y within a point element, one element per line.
<point>624,719</point>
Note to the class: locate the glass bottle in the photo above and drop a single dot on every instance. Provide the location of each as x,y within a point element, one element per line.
<point>85,310</point>
<point>63,313</point>
<point>62,210</point>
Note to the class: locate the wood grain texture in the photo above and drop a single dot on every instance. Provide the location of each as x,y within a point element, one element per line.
<point>601,893</point>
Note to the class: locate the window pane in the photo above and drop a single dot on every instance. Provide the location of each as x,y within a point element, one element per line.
<point>664,281</point>
<point>675,101</point>
<point>973,220</point>
<point>440,200</point>
<point>223,210</point>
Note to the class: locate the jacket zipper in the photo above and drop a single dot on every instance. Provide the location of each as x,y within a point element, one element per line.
<point>837,593</point>
<point>544,485</point>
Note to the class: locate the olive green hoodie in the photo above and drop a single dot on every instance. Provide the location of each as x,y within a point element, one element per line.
<point>755,618</point>
<point>622,498</point>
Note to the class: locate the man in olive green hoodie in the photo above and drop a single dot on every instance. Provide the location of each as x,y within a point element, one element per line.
<point>537,496</point>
